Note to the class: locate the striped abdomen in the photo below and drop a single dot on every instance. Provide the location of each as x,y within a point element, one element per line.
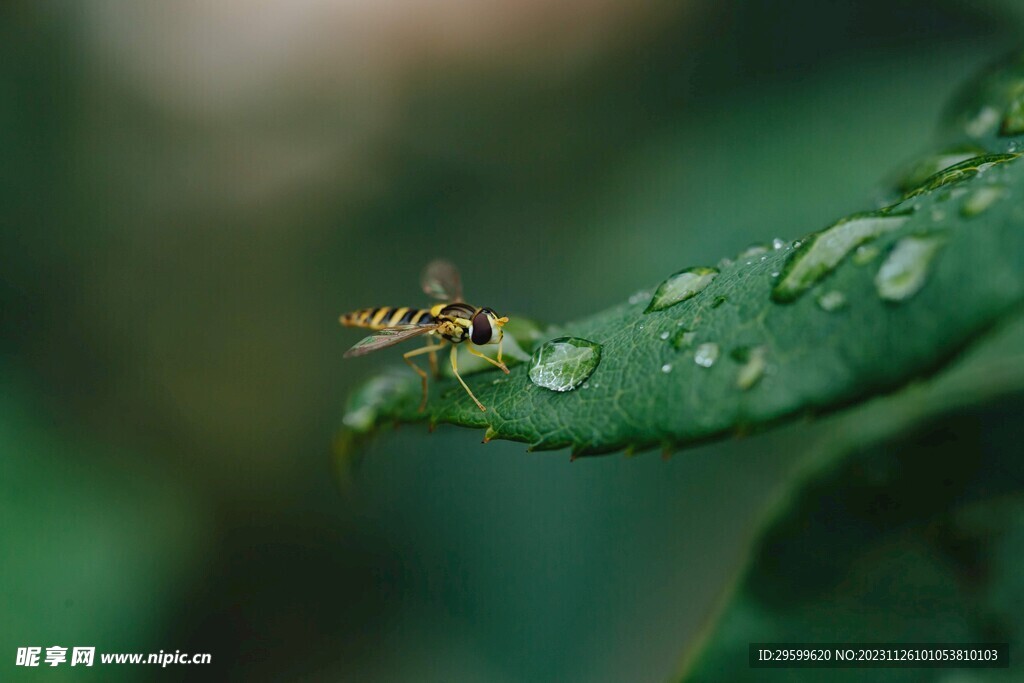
<point>387,316</point>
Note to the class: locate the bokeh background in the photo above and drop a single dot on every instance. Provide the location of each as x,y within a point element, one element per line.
<point>190,194</point>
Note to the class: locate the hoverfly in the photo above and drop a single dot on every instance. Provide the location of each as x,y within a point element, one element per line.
<point>454,322</point>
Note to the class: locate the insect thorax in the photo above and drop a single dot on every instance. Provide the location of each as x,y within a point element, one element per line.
<point>453,322</point>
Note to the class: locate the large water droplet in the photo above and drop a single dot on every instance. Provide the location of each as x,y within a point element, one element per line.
<point>905,270</point>
<point>563,364</point>
<point>754,360</point>
<point>682,286</point>
<point>957,173</point>
<point>980,200</point>
<point>925,168</point>
<point>666,368</point>
<point>823,251</point>
<point>706,355</point>
<point>832,301</point>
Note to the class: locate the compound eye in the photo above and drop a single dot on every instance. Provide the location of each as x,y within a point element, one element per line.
<point>480,330</point>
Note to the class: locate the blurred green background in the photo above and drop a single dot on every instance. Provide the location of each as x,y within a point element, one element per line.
<point>191,193</point>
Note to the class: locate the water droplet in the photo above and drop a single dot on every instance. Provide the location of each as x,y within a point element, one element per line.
<point>667,367</point>
<point>983,122</point>
<point>637,297</point>
<point>563,364</point>
<point>905,270</point>
<point>826,250</point>
<point>866,253</point>
<point>775,273</point>
<point>1013,146</point>
<point>683,338</point>
<point>981,199</point>
<point>753,250</point>
<point>754,360</point>
<point>777,244</point>
<point>706,355</point>
<point>725,262</point>
<point>832,301</point>
<point>925,168</point>
<point>957,173</point>
<point>663,336</point>
<point>1013,121</point>
<point>938,215</point>
<point>682,286</point>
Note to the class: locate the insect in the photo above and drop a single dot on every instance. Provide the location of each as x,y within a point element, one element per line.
<point>454,321</point>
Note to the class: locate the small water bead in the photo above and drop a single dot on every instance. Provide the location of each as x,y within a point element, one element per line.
<point>832,301</point>
<point>683,339</point>
<point>905,270</point>
<point>775,273</point>
<point>865,254</point>
<point>706,354</point>
<point>637,297</point>
<point>666,368</point>
<point>563,364</point>
<point>754,360</point>
<point>681,286</point>
<point>663,336</point>
<point>754,250</point>
<point>778,244</point>
<point>983,122</point>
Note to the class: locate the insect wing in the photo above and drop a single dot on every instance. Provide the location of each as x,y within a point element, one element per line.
<point>441,281</point>
<point>389,336</point>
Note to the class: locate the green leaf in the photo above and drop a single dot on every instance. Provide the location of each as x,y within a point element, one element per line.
<point>831,324</point>
<point>893,534</point>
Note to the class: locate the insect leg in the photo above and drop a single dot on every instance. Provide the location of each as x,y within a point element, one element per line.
<point>407,357</point>
<point>434,369</point>
<point>455,369</point>
<point>495,363</point>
